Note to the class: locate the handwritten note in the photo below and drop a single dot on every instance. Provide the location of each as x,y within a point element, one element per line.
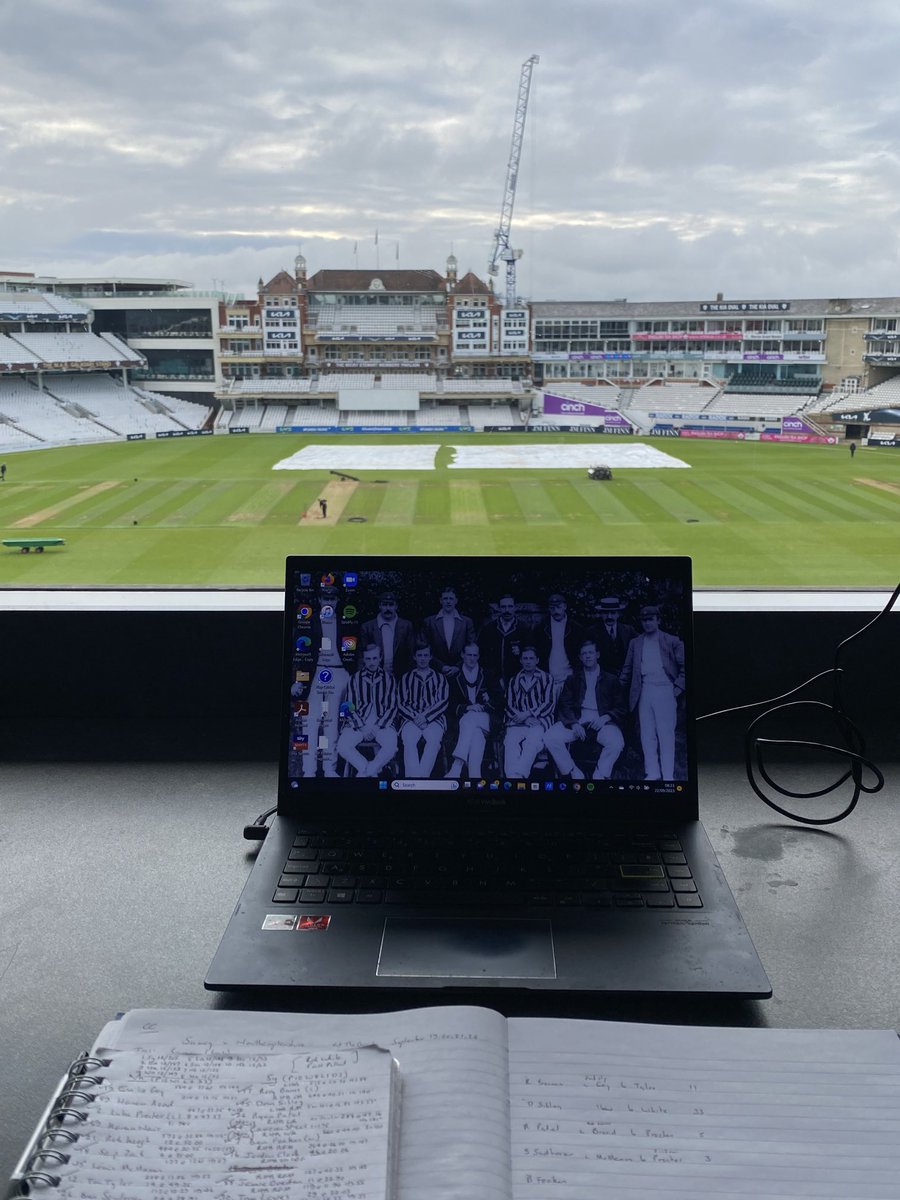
<point>165,1123</point>
<point>646,1110</point>
<point>454,1141</point>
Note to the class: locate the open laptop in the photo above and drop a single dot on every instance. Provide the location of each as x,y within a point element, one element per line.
<point>488,780</point>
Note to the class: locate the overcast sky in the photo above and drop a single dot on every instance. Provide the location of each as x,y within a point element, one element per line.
<point>672,150</point>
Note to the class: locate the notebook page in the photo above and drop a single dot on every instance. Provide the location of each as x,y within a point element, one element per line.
<point>161,1123</point>
<point>642,1111</point>
<point>454,1141</point>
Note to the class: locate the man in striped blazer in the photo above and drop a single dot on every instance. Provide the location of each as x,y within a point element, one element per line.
<point>371,709</point>
<point>424,695</point>
<point>529,714</point>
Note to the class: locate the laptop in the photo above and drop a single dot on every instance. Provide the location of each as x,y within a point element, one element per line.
<point>488,780</point>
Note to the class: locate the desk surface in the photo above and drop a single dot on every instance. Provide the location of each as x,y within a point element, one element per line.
<point>116,883</point>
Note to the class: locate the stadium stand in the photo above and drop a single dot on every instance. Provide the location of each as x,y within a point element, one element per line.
<point>14,438</point>
<point>186,413</point>
<point>116,407</point>
<point>441,414</point>
<point>476,387</point>
<point>755,404</point>
<point>44,418</point>
<point>666,397</point>
<point>882,395</point>
<point>76,347</point>
<point>14,354</point>
<point>493,414</point>
<point>273,415</point>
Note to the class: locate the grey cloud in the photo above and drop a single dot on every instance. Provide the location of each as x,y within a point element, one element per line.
<point>671,149</point>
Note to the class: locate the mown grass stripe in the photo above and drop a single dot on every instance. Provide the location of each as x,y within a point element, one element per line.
<point>845,503</point>
<point>534,503</point>
<point>161,500</point>
<point>116,502</point>
<point>366,501</point>
<point>467,503</point>
<point>743,501</point>
<point>675,500</point>
<point>25,499</point>
<point>432,504</point>
<point>607,505</point>
<point>212,503</point>
<point>500,503</point>
<point>398,503</point>
<point>799,506</point>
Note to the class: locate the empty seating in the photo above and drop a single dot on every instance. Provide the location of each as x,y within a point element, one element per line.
<point>76,347</point>
<point>45,418</point>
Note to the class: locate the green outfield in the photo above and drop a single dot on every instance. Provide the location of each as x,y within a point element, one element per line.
<point>212,511</point>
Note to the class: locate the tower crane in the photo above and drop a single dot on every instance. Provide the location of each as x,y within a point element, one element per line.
<point>502,251</point>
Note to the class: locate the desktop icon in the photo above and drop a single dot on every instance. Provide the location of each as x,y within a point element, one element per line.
<point>351,579</point>
<point>326,612</point>
<point>325,676</point>
<point>302,676</point>
<point>305,580</point>
<point>301,708</point>
<point>304,643</point>
<point>328,579</point>
<point>348,645</point>
<point>304,612</point>
<point>349,612</point>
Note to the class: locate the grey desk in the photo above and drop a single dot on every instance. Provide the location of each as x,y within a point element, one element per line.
<point>116,883</point>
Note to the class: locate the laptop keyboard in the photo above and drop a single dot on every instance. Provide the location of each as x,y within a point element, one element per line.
<point>440,869</point>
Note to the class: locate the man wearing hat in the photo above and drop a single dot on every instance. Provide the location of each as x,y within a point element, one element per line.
<point>557,641</point>
<point>393,635</point>
<point>611,634</point>
<point>653,678</point>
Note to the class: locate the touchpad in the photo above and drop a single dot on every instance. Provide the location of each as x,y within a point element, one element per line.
<point>462,948</point>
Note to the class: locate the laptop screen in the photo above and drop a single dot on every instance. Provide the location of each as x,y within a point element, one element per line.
<point>502,680</point>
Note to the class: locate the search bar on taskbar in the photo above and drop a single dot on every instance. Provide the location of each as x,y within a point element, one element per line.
<point>425,785</point>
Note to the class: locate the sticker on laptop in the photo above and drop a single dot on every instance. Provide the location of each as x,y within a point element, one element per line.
<point>279,921</point>
<point>313,922</point>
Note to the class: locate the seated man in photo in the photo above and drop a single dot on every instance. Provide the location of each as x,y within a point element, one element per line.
<point>529,713</point>
<point>424,695</point>
<point>472,702</point>
<point>591,707</point>
<point>371,709</point>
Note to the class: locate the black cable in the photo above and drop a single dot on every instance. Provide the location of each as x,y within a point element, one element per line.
<point>257,831</point>
<point>853,751</point>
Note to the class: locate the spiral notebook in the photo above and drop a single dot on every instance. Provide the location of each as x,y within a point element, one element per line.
<point>492,1109</point>
<point>140,1118</point>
